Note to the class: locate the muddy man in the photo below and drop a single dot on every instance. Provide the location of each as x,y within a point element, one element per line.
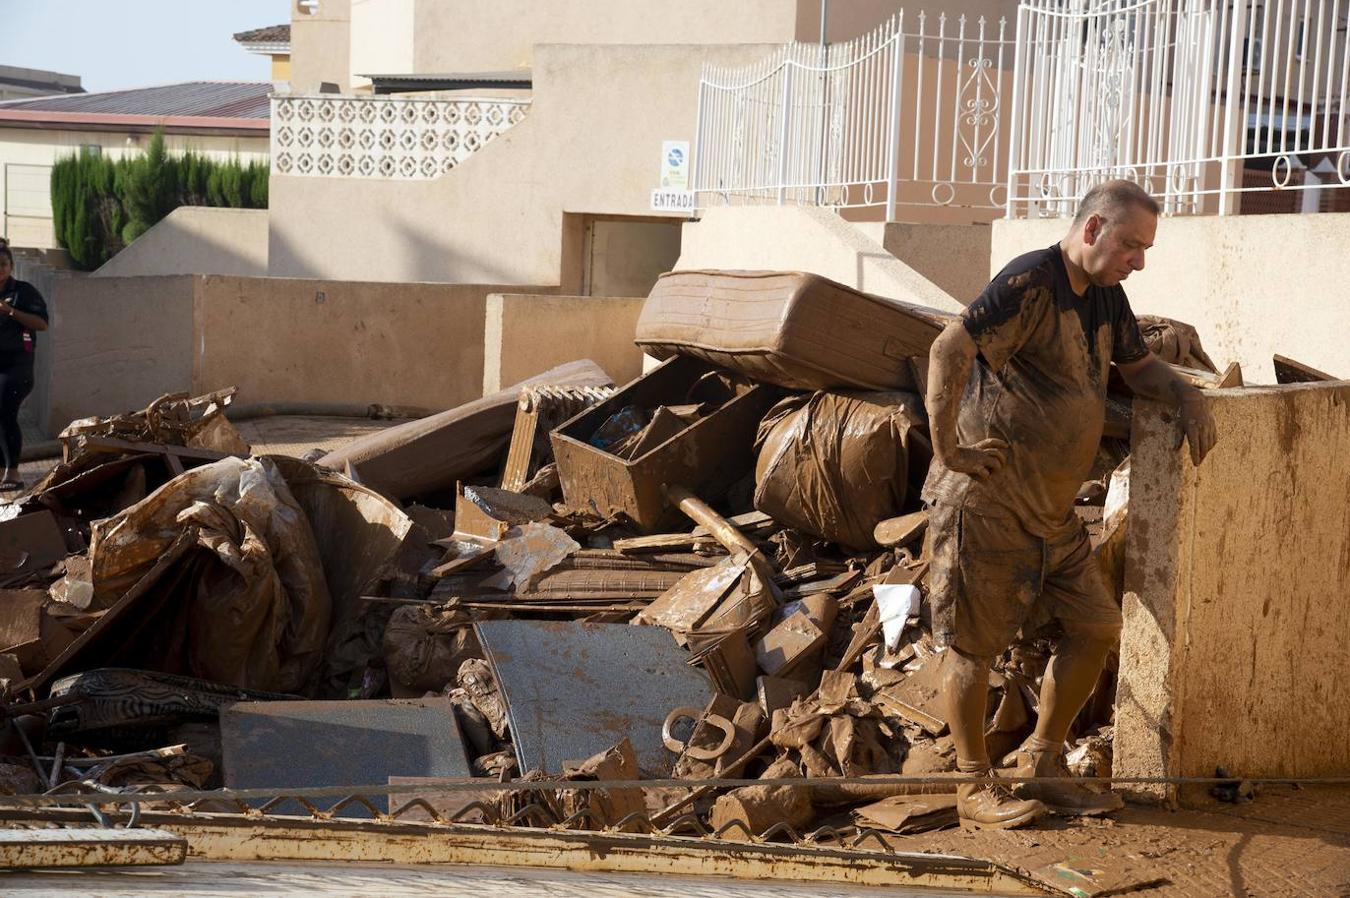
<point>1017,402</point>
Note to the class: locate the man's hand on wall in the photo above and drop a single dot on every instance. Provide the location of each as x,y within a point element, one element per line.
<point>1197,426</point>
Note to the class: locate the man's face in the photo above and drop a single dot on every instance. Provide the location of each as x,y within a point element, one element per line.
<point>1111,251</point>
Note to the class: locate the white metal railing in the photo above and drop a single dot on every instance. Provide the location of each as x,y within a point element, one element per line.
<point>1183,96</point>
<point>910,114</point>
<point>377,137</point>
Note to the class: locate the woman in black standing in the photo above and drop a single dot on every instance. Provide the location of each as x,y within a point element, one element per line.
<point>22,314</point>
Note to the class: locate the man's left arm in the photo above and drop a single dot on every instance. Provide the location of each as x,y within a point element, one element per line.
<point>1151,378</point>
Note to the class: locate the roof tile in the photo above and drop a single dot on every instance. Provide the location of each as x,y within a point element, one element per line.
<point>272,34</point>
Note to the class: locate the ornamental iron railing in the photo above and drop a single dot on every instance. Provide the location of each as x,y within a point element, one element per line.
<point>1203,102</point>
<point>909,114</point>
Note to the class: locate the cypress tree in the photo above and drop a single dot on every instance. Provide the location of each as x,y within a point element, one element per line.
<point>99,205</point>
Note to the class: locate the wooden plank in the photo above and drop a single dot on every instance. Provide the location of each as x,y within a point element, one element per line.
<point>1232,376</point>
<point>901,531</point>
<point>1288,371</point>
<point>752,521</point>
<point>89,847</point>
<point>99,442</point>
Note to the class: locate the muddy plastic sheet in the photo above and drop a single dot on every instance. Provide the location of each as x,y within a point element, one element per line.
<point>834,465</point>
<point>362,538</point>
<point>1175,342</point>
<point>575,689</point>
<point>255,610</point>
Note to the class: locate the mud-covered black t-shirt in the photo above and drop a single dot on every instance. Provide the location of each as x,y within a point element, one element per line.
<point>16,341</point>
<point>1039,383</point>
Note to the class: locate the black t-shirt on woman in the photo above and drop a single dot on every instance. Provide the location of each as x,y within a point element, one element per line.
<point>16,341</point>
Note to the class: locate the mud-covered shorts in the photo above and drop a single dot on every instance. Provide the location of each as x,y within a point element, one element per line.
<point>990,578</point>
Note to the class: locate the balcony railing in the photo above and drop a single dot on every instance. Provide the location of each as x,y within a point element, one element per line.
<point>378,137</point>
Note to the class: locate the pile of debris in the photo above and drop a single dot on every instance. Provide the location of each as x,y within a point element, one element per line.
<point>717,570</point>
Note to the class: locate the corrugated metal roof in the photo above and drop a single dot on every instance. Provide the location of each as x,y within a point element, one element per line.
<point>272,34</point>
<point>194,99</point>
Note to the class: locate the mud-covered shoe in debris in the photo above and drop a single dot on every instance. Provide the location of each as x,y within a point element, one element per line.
<point>1067,799</point>
<point>995,807</point>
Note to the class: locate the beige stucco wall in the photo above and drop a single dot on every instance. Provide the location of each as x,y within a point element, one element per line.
<point>443,36</point>
<point>114,345</point>
<point>1237,591</point>
<point>321,46</point>
<point>281,339</point>
<point>1253,285</point>
<point>791,238</point>
<point>526,335</point>
<point>384,46</point>
<point>196,240</point>
<point>465,35</point>
<point>446,36</point>
<point>591,143</point>
<point>26,157</point>
<point>850,18</point>
<point>955,257</point>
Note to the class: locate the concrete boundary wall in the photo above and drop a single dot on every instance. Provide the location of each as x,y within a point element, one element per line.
<point>1253,285</point>
<point>527,334</point>
<point>117,343</point>
<point>794,238</point>
<point>114,344</point>
<point>196,240</point>
<point>1237,591</point>
<point>285,339</point>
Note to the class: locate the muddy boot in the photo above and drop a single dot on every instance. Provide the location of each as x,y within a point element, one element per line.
<point>993,806</point>
<point>1035,758</point>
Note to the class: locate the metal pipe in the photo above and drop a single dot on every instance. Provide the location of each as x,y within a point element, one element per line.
<point>784,116</point>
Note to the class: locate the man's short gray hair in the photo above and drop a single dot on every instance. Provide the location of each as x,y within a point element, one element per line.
<point>1110,200</point>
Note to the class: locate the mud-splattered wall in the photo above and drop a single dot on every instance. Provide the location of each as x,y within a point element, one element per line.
<point>1237,591</point>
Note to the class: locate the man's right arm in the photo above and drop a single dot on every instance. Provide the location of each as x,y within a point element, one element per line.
<point>950,361</point>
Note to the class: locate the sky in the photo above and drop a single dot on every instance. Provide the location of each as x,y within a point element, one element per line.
<point>116,44</point>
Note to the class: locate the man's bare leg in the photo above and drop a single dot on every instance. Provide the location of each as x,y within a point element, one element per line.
<point>965,685</point>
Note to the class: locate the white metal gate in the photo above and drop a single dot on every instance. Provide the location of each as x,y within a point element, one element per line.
<point>1183,96</point>
<point>910,114</point>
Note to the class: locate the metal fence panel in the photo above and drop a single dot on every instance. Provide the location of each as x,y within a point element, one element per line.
<point>1187,97</point>
<point>909,114</point>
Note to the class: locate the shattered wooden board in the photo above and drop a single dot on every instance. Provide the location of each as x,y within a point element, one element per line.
<point>575,689</point>
<point>684,606</point>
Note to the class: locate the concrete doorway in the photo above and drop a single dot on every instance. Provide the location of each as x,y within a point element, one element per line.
<point>623,256</point>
